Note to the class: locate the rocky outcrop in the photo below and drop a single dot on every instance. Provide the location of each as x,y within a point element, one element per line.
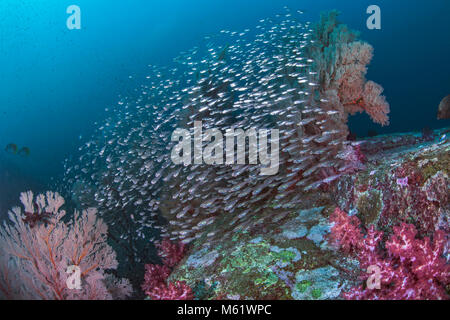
<point>290,257</point>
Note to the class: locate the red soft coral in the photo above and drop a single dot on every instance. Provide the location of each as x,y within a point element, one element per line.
<point>171,252</point>
<point>173,291</point>
<point>155,283</point>
<point>345,232</point>
<point>410,267</point>
<point>155,275</point>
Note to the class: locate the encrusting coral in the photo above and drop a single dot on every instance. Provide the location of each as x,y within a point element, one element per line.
<point>35,258</point>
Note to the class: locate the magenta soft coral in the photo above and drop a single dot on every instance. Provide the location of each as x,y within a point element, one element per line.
<point>345,232</point>
<point>155,275</point>
<point>173,291</point>
<point>155,283</point>
<point>171,252</point>
<point>410,268</point>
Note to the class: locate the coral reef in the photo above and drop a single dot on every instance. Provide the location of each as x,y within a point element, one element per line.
<point>252,236</point>
<point>409,267</point>
<point>155,275</point>
<point>34,257</point>
<point>294,256</point>
<point>170,252</point>
<point>444,108</point>
<point>407,182</point>
<point>303,80</point>
<point>155,285</point>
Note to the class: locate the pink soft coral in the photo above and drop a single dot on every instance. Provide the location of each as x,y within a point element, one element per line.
<point>171,252</point>
<point>155,275</point>
<point>155,283</point>
<point>410,268</point>
<point>345,232</point>
<point>173,291</point>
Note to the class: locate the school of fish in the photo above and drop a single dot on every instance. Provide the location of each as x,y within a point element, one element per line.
<point>262,78</point>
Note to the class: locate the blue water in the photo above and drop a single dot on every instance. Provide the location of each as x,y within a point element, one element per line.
<point>55,83</point>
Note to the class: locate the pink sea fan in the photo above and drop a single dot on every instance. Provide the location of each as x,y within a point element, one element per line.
<point>375,104</point>
<point>34,260</point>
<point>341,62</point>
<point>351,66</point>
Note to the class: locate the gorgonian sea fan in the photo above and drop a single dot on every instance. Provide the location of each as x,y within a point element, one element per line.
<point>262,81</point>
<point>409,267</point>
<point>34,258</point>
<point>341,60</point>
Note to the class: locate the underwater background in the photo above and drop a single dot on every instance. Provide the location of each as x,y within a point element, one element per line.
<point>57,87</point>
